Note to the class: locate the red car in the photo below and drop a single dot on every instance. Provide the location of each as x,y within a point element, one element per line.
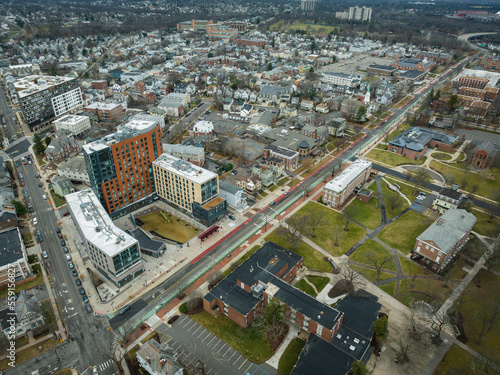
<point>48,264</point>
<point>47,180</point>
<point>22,183</point>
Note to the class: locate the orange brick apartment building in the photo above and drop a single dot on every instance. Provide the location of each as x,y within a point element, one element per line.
<point>119,165</point>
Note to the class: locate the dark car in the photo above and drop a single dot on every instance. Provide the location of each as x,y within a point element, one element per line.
<point>82,291</point>
<point>231,217</point>
<point>66,214</point>
<point>58,230</point>
<point>88,308</point>
<point>75,273</point>
<point>59,235</point>
<point>85,299</point>
<point>40,184</point>
<point>65,249</point>
<point>124,310</point>
<point>63,243</point>
<point>78,282</point>
<point>71,265</point>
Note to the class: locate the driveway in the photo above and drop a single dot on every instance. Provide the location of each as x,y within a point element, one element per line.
<point>194,343</point>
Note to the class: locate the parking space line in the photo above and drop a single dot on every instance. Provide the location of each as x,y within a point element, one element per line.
<point>238,359</point>
<point>197,329</point>
<point>248,368</point>
<point>187,320</point>
<point>207,336</point>
<point>221,347</point>
<point>243,363</point>
<point>215,346</point>
<point>227,351</point>
<point>212,340</point>
<point>190,328</point>
<point>232,355</point>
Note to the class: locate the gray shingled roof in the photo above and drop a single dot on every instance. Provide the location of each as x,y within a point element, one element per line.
<point>448,229</point>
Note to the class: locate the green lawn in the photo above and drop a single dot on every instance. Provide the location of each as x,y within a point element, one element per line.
<point>485,186</point>
<point>312,259</point>
<point>283,181</point>
<point>283,25</point>
<point>441,156</point>
<point>380,251</point>
<point>401,234</point>
<point>306,288</point>
<point>25,286</point>
<point>290,356</point>
<point>367,214</point>
<point>392,159</point>
<point>273,188</point>
<point>407,190</point>
<point>456,272</point>
<point>248,342</point>
<point>58,201</point>
<point>387,193</point>
<point>409,268</point>
<point>428,290</point>
<point>371,274</point>
<point>459,361</point>
<point>389,288</point>
<point>324,235</point>
<point>175,229</point>
<point>483,226</point>
<point>479,300</point>
<point>319,282</point>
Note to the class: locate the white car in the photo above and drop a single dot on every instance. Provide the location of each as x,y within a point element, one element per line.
<point>35,221</point>
<point>68,257</point>
<point>44,196</point>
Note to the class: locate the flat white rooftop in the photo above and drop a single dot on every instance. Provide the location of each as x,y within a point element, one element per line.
<point>96,225</point>
<point>491,76</point>
<point>70,119</point>
<point>102,106</point>
<point>31,84</point>
<point>184,168</point>
<point>203,126</point>
<point>339,183</point>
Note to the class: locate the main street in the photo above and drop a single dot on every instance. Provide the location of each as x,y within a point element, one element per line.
<point>11,127</point>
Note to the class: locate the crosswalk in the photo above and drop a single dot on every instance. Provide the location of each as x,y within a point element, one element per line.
<point>105,365</point>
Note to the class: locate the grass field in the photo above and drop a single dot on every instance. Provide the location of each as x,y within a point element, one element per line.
<point>428,290</point>
<point>312,29</point>
<point>371,274</point>
<point>290,356</point>
<point>388,192</point>
<point>368,214</point>
<point>248,342</point>
<point>312,258</point>
<point>441,156</point>
<point>409,268</point>
<point>401,234</point>
<point>319,282</point>
<point>485,186</point>
<point>175,230</point>
<point>59,201</point>
<point>480,300</point>
<point>392,159</point>
<point>378,250</point>
<point>31,352</point>
<point>306,288</point>
<point>333,221</point>
<point>389,288</point>
<point>25,286</point>
<point>459,361</point>
<point>483,226</point>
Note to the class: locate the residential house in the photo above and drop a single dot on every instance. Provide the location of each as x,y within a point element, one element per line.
<point>322,108</point>
<point>288,111</point>
<point>158,359</point>
<point>336,126</point>
<point>306,105</point>
<point>62,148</point>
<point>74,169</point>
<point>27,315</point>
<point>14,256</point>
<point>62,185</point>
<point>268,174</point>
<point>250,184</point>
<point>272,93</point>
<point>319,133</point>
<point>484,154</point>
<point>446,199</point>
<point>5,178</point>
<point>289,157</point>
<point>202,128</point>
<point>172,107</point>
<point>436,246</point>
<point>234,195</point>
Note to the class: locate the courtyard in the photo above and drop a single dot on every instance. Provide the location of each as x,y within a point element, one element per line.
<point>168,226</point>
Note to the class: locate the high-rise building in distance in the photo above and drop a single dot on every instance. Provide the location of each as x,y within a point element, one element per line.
<point>356,14</point>
<point>119,165</point>
<point>307,5</point>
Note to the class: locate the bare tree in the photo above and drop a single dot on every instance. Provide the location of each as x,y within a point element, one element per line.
<point>272,320</point>
<point>350,277</point>
<point>349,212</point>
<point>437,321</point>
<point>307,163</point>
<point>336,233</point>
<point>377,262</point>
<point>420,177</point>
<point>405,346</point>
<point>314,220</point>
<point>393,201</point>
<point>492,254</point>
<point>487,316</point>
<point>295,227</point>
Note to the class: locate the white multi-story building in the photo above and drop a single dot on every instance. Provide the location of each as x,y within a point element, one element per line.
<point>341,187</point>
<point>67,101</point>
<point>72,123</point>
<point>114,253</point>
<point>340,79</point>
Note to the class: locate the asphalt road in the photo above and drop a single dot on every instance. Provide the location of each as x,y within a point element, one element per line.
<point>11,128</point>
<point>89,340</point>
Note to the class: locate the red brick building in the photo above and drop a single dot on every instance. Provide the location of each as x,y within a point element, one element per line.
<point>469,81</point>
<point>413,64</point>
<point>484,154</point>
<point>267,275</point>
<point>491,63</point>
<point>488,94</point>
<point>106,111</point>
<point>413,142</point>
<point>100,84</point>
<point>251,42</point>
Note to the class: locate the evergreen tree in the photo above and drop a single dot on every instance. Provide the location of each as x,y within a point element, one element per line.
<point>38,144</point>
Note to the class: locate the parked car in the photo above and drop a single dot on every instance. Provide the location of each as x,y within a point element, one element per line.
<point>59,235</point>
<point>124,309</point>
<point>65,249</point>
<point>82,291</point>
<point>48,264</point>
<point>78,282</point>
<point>44,196</point>
<point>35,221</point>
<point>89,310</point>
<point>63,243</point>
<point>66,214</point>
<point>40,184</point>
<point>68,257</point>
<point>58,230</point>
<point>71,265</point>
<point>231,217</point>
<point>45,255</point>
<point>75,273</point>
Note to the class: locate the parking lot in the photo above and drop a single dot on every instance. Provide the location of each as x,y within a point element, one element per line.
<point>195,344</point>
<point>424,206</point>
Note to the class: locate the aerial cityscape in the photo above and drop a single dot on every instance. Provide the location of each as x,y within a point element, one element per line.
<point>249,188</point>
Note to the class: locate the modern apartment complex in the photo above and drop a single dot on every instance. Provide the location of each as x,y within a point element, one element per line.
<point>72,123</point>
<point>44,97</point>
<point>119,165</point>
<point>342,186</point>
<point>355,14</point>
<point>340,79</point>
<point>188,188</point>
<point>307,5</point>
<point>114,253</point>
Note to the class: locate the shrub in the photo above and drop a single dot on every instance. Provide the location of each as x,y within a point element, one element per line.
<point>380,327</point>
<point>183,308</point>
